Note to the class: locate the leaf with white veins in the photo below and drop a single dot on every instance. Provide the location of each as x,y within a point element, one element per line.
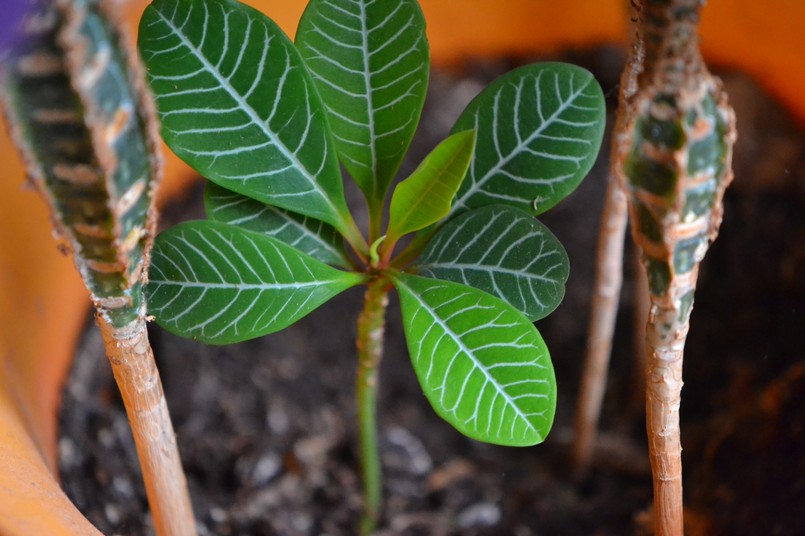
<point>483,366</point>
<point>504,251</point>
<point>238,105</point>
<point>424,198</point>
<point>370,62</point>
<point>221,284</point>
<point>539,131</point>
<point>310,236</point>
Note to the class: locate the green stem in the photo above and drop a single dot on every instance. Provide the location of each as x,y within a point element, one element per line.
<point>387,250</point>
<point>371,327</point>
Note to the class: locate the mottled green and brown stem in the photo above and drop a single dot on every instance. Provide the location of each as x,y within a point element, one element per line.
<point>371,329</point>
<point>80,115</point>
<point>675,165</point>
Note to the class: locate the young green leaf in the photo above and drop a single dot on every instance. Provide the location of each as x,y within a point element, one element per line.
<point>503,251</point>
<point>221,284</point>
<point>237,103</point>
<point>539,131</point>
<point>424,197</point>
<point>483,366</point>
<point>370,61</point>
<point>313,237</point>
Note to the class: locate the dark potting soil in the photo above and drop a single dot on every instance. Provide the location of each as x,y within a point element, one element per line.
<point>267,428</point>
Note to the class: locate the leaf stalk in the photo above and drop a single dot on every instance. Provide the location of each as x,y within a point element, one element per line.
<point>355,239</point>
<point>375,219</point>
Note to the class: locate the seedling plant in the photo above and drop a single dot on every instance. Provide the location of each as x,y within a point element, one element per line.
<point>267,121</point>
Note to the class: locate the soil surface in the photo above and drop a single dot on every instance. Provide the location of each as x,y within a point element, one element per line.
<point>267,428</point>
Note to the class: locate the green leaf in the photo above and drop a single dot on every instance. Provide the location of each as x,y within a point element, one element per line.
<point>504,251</point>
<point>370,61</point>
<point>483,366</point>
<point>221,284</point>
<point>539,131</point>
<point>424,197</point>
<point>237,104</point>
<point>310,236</point>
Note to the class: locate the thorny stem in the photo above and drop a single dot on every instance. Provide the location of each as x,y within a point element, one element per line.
<point>132,360</point>
<point>371,327</point>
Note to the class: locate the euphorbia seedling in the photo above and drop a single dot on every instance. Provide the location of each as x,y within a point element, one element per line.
<point>267,121</point>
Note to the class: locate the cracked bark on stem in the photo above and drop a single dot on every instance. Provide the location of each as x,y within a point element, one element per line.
<point>371,330</point>
<point>665,340</point>
<point>675,166</point>
<point>129,352</point>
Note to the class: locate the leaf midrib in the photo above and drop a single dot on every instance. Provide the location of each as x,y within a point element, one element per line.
<point>245,286</point>
<point>493,269</point>
<point>255,118</point>
<point>367,79</point>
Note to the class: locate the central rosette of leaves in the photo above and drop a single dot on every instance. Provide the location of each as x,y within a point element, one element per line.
<point>267,121</point>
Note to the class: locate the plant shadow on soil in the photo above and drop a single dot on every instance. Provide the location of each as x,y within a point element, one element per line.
<point>267,428</point>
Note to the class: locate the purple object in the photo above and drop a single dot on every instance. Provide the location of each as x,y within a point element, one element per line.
<point>12,14</point>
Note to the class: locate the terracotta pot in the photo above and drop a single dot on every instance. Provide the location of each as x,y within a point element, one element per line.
<point>43,303</point>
